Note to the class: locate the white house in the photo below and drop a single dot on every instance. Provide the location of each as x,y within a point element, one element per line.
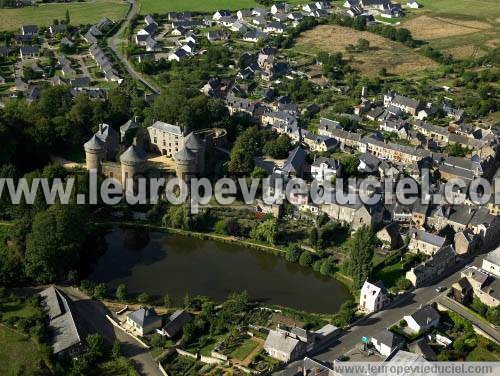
<point>412,4</point>
<point>284,346</point>
<point>373,297</point>
<point>279,8</point>
<point>325,169</point>
<point>425,242</point>
<point>387,342</point>
<point>220,14</point>
<point>144,320</point>
<point>491,263</point>
<point>423,319</point>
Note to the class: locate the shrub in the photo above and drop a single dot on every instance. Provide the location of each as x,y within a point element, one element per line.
<point>306,258</point>
<point>293,253</point>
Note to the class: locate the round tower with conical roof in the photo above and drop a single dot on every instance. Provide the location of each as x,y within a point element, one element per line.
<point>95,153</point>
<point>185,164</point>
<point>195,144</point>
<point>133,162</point>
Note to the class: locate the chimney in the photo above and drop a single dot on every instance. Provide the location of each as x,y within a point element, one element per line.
<point>134,141</point>
<point>100,128</point>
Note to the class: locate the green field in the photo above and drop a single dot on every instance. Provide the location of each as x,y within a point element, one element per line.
<point>80,13</point>
<point>481,9</point>
<point>18,355</point>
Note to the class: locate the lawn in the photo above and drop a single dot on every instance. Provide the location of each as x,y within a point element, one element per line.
<point>87,12</point>
<point>383,53</point>
<point>16,309</point>
<point>18,355</point>
<point>245,349</point>
<point>390,274</point>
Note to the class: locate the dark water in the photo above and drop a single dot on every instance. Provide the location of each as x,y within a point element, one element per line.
<point>159,263</point>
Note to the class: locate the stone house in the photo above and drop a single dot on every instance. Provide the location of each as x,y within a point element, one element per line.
<point>466,242</point>
<point>355,215</point>
<point>432,269</point>
<point>425,242</point>
<point>175,323</point>
<point>491,263</point>
<point>284,346</point>
<point>391,235</point>
<point>486,286</point>
<point>325,169</point>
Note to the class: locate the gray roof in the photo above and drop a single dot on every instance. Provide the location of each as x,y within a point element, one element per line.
<point>176,322</point>
<point>331,163</point>
<point>388,338</point>
<point>169,128</point>
<point>429,238</point>
<point>131,124</point>
<point>425,315</point>
<point>494,256</point>
<point>281,342</point>
<point>185,155</point>
<point>65,333</point>
<point>133,154</point>
<point>94,144</point>
<point>143,316</point>
<point>194,142</point>
<point>422,347</point>
<point>295,160</point>
<point>405,101</point>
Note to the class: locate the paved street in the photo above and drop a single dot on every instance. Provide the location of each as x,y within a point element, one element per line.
<point>93,314</point>
<point>114,44</point>
<point>386,318</point>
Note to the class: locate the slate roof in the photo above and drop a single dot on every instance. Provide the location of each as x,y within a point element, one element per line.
<point>331,163</point>
<point>494,256</point>
<point>64,330</point>
<point>425,315</point>
<point>281,342</point>
<point>131,124</point>
<point>295,160</point>
<point>185,155</point>
<point>388,338</point>
<point>405,101</point>
<point>429,238</point>
<point>134,154</point>
<point>95,143</point>
<point>169,128</point>
<point>176,322</point>
<point>422,347</point>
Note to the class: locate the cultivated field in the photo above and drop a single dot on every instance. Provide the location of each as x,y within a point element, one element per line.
<point>80,13</point>
<point>462,28</point>
<point>396,58</point>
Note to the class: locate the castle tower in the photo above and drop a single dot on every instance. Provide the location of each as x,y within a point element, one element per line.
<point>185,164</point>
<point>195,144</point>
<point>133,162</point>
<point>95,153</point>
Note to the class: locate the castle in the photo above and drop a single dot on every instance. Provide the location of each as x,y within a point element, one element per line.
<point>109,153</point>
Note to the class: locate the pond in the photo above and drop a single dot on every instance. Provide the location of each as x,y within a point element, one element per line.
<point>159,264</point>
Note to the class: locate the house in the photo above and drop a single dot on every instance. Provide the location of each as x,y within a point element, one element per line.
<point>56,29</point>
<point>220,14</point>
<point>244,13</point>
<point>387,342</point>
<point>319,143</point>
<point>407,105</point>
<point>66,334</point>
<point>355,214</point>
<point>491,263</point>
<point>309,7</point>
<point>21,84</point>
<point>152,45</point>
<point>150,30</point>
<point>421,347</point>
<point>80,82</point>
<point>486,287</point>
<point>66,42</point>
<point>144,320</point>
<point>296,16</point>
<point>466,242</point>
<point>215,35</point>
<point>462,291</point>
<point>412,4</point>
<point>425,242</point>
<point>391,235</point>
<point>280,8</point>
<point>373,297</point>
<point>104,23</point>
<point>67,71</point>
<point>238,27</point>
<point>30,30</point>
<point>284,346</point>
<point>325,333</point>
<point>27,52</point>
<point>433,268</point>
<point>176,322</point>
<point>254,36</point>
<point>148,20</point>
<point>295,163</point>
<point>178,55</point>
<point>422,320</point>
<point>274,27</point>
<point>325,169</point>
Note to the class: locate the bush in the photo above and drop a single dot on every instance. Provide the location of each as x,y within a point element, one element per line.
<point>220,227</point>
<point>403,324</point>
<point>293,253</point>
<point>143,297</point>
<point>328,267</point>
<point>317,265</point>
<point>306,258</point>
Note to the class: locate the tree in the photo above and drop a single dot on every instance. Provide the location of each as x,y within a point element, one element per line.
<point>178,216</point>
<point>167,301</point>
<point>266,231</point>
<point>67,18</point>
<point>143,297</point>
<point>306,258</point>
<point>116,349</point>
<point>54,244</point>
<point>121,292</point>
<point>361,248</point>
<point>328,267</point>
<point>313,237</point>
<point>293,253</point>
<point>187,301</point>
<point>247,146</point>
<point>278,148</point>
<point>100,291</point>
<point>94,346</point>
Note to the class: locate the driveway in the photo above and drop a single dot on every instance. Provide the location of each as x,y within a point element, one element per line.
<point>93,316</point>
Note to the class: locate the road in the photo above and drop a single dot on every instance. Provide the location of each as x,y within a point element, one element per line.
<point>114,43</point>
<point>93,313</point>
<point>384,319</point>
